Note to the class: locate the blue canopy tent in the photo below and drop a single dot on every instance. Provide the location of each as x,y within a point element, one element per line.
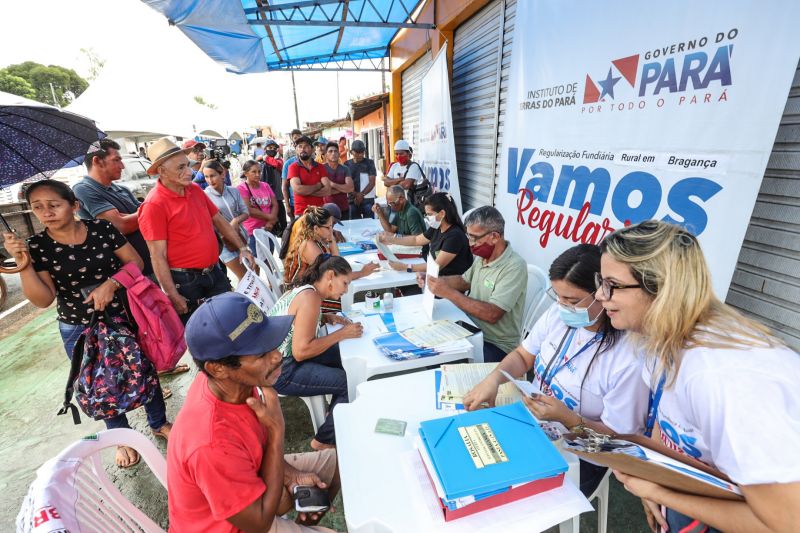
<point>262,35</point>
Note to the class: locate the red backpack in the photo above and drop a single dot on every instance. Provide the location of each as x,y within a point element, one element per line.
<point>159,330</point>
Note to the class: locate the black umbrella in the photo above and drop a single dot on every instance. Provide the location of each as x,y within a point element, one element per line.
<point>37,139</point>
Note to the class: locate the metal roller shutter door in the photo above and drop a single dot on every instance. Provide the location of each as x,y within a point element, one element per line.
<point>766,283</point>
<point>505,69</point>
<point>477,50</point>
<point>411,82</point>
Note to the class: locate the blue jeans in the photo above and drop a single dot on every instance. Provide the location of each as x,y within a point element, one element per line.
<point>321,375</point>
<point>155,408</point>
<point>680,523</point>
<point>197,288</point>
<point>362,211</point>
<point>491,353</point>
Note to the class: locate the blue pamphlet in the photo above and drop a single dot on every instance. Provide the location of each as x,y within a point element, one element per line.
<point>488,451</point>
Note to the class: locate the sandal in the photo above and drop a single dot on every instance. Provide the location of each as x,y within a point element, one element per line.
<point>127,455</point>
<point>166,393</point>
<point>161,433</point>
<point>178,369</point>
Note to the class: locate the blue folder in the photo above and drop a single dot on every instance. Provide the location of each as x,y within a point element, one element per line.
<point>531,455</point>
<point>348,248</point>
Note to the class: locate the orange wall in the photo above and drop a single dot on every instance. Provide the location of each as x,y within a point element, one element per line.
<point>371,121</point>
<point>409,45</point>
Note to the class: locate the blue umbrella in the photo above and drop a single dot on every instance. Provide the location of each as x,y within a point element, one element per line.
<point>37,139</point>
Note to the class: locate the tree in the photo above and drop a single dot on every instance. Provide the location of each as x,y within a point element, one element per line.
<point>16,85</point>
<point>200,100</point>
<point>65,83</point>
<point>96,63</point>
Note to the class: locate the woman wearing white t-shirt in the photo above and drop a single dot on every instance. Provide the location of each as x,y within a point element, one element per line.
<point>585,368</point>
<point>724,390</point>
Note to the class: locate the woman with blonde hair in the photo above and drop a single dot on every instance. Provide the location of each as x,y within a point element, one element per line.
<point>723,389</point>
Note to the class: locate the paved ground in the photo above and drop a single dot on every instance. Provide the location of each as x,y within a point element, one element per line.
<point>33,371</point>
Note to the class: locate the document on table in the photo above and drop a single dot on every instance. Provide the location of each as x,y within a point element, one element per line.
<point>428,299</point>
<point>373,325</point>
<point>458,380</point>
<point>384,249</point>
<point>435,334</point>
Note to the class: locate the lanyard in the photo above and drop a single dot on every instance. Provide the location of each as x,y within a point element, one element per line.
<point>550,373</point>
<point>652,406</point>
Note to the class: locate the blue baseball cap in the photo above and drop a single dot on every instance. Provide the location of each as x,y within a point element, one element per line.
<point>231,324</point>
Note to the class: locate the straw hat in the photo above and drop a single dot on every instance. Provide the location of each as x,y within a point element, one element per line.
<point>160,151</point>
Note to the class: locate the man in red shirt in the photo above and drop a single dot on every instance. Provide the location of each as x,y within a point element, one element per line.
<point>227,470</point>
<point>308,179</point>
<point>178,220</point>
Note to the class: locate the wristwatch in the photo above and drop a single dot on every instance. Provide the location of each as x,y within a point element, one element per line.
<point>579,428</point>
<point>409,269</point>
<point>244,248</point>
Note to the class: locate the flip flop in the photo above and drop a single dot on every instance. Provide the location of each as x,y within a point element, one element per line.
<point>166,393</point>
<point>179,369</point>
<point>134,463</point>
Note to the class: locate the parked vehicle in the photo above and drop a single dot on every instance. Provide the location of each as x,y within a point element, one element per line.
<point>135,176</point>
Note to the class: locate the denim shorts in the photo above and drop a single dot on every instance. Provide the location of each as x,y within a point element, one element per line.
<point>227,255</point>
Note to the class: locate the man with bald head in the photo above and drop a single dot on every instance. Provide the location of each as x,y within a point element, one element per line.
<point>178,221</point>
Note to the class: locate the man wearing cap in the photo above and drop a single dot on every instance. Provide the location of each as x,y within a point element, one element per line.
<point>404,172</point>
<point>319,147</point>
<point>227,469</point>
<point>288,194</point>
<point>178,220</point>
<point>308,179</point>
<point>195,155</point>
<point>363,173</point>
<point>341,182</point>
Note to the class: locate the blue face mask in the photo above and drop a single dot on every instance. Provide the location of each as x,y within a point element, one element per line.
<point>578,318</point>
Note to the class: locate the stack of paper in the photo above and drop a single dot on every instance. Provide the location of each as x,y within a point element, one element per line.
<point>482,459</point>
<point>397,347</point>
<point>458,380</point>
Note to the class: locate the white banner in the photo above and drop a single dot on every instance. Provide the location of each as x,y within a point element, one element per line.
<point>436,148</point>
<point>624,112</point>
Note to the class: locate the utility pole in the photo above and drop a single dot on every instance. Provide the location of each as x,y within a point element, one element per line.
<point>53,92</point>
<point>338,113</point>
<point>294,92</point>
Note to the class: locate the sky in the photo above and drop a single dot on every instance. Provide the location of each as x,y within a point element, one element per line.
<point>146,60</point>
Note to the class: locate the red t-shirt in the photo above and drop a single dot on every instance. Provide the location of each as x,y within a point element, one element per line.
<point>184,222</point>
<point>307,176</point>
<point>213,462</point>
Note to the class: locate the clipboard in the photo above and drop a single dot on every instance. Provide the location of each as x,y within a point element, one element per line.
<point>688,482</point>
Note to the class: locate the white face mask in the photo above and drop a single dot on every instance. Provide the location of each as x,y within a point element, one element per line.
<point>433,222</point>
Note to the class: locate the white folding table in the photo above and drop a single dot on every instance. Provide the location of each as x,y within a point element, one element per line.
<point>383,489</point>
<point>361,359</point>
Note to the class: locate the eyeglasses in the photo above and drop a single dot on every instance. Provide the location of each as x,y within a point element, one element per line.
<point>607,287</point>
<point>475,238</point>
<point>571,307</point>
<point>393,203</point>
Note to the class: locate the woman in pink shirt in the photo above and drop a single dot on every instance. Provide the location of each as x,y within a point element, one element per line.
<point>260,200</point>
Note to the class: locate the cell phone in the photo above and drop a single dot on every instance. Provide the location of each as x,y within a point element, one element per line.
<point>311,499</point>
<point>469,327</point>
<point>86,290</point>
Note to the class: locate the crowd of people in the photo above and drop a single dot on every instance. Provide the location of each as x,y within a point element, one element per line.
<point>635,341</point>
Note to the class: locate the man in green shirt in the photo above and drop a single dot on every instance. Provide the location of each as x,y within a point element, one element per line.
<point>404,219</point>
<point>497,282</point>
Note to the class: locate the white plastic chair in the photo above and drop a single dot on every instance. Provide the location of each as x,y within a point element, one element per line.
<point>76,484</point>
<point>263,238</point>
<point>601,493</point>
<point>467,213</point>
<point>268,276</point>
<point>535,299</point>
<point>317,406</point>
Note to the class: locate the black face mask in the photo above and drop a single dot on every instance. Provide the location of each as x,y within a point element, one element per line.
<point>271,153</point>
<point>305,157</point>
